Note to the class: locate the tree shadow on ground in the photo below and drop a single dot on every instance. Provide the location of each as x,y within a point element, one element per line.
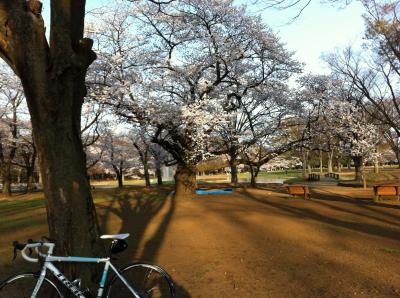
<point>136,210</point>
<point>304,211</point>
<point>284,257</point>
<point>323,194</point>
<point>366,204</point>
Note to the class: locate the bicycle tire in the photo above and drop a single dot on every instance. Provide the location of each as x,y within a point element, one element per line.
<point>21,285</point>
<point>150,281</point>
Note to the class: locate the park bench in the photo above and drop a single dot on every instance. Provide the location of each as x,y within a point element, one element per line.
<point>332,175</point>
<point>313,177</point>
<point>386,190</point>
<point>299,190</point>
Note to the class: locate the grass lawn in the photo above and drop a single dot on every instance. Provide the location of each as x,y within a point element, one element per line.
<point>282,174</point>
<point>253,243</point>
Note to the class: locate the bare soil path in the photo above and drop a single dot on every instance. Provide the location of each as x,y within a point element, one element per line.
<point>262,243</point>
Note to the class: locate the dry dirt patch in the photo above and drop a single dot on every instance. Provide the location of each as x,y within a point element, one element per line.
<point>262,243</point>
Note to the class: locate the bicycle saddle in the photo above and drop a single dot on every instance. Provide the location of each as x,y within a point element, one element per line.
<point>115,237</point>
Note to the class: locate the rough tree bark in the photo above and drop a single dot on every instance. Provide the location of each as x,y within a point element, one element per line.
<point>159,175</point>
<point>30,162</point>
<point>6,180</point>
<point>7,159</point>
<point>119,172</point>
<point>358,167</point>
<point>159,158</point>
<point>185,181</point>
<point>234,173</point>
<point>339,166</point>
<point>53,78</point>
<point>29,181</point>
<point>233,166</point>
<point>144,158</point>
<point>376,166</point>
<point>254,170</point>
<point>321,164</point>
<point>330,161</point>
<point>146,174</point>
<point>305,163</point>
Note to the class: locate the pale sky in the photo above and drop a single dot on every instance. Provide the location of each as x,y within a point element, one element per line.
<point>319,29</point>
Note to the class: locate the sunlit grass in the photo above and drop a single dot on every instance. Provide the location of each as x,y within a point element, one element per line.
<point>391,250</point>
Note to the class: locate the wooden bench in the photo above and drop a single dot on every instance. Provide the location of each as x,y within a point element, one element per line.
<point>299,190</point>
<point>314,177</point>
<point>386,190</point>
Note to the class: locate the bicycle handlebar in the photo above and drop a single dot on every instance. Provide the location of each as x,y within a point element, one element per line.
<point>32,245</point>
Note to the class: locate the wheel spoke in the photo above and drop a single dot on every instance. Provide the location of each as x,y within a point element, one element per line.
<point>149,280</point>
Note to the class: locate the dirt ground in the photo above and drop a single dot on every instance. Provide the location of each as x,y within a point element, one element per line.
<point>263,243</point>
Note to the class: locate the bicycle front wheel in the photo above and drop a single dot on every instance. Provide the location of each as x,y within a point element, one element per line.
<point>149,281</point>
<point>23,284</point>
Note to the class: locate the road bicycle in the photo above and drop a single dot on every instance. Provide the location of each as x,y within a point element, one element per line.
<point>139,280</point>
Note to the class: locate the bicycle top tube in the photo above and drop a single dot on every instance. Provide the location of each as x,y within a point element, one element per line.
<point>50,258</point>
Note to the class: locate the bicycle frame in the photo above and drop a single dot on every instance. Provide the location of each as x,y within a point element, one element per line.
<point>48,265</point>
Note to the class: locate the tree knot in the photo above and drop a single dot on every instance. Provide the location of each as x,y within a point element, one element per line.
<point>35,6</point>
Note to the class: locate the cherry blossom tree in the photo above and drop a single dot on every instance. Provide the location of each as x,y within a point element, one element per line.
<point>271,145</point>
<point>141,141</point>
<point>258,114</point>
<point>393,140</point>
<point>94,125</point>
<point>11,100</point>
<point>282,162</point>
<point>316,90</point>
<point>118,155</point>
<point>26,157</point>
<point>358,136</point>
<point>160,159</point>
<point>200,61</point>
<point>374,72</point>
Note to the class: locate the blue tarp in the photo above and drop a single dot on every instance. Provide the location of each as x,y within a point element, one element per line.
<point>214,191</point>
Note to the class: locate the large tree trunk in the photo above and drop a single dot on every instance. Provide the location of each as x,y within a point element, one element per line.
<point>6,175</point>
<point>120,179</point>
<point>146,174</point>
<point>185,181</point>
<point>53,78</point>
<point>234,170</point>
<point>339,166</point>
<point>29,181</point>
<point>358,167</point>
<point>30,170</point>
<point>254,173</point>
<point>71,213</point>
<point>330,162</point>
<point>321,164</point>
<point>376,166</point>
<point>397,152</point>
<point>305,162</point>
<point>70,210</point>
<point>30,162</point>
<point>159,175</point>
<point>234,174</point>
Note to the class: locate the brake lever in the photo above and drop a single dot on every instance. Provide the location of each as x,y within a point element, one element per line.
<point>30,249</point>
<point>17,246</point>
<point>15,253</point>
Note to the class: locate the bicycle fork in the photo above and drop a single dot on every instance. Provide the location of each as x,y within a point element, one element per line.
<point>39,282</point>
<point>71,286</point>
